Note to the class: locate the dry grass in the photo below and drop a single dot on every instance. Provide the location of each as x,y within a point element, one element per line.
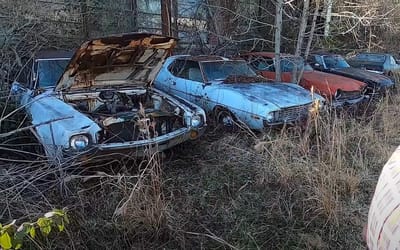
<point>286,189</point>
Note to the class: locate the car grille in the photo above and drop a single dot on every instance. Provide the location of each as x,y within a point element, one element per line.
<point>292,113</point>
<point>346,95</point>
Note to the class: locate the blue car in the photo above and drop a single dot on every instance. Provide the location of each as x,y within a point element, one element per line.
<point>233,93</point>
<point>100,102</point>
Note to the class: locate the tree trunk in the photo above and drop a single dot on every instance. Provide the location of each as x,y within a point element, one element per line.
<point>328,17</point>
<point>312,30</point>
<point>300,39</point>
<point>278,31</point>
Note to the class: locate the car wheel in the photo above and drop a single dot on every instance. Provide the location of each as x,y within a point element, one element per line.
<point>225,119</point>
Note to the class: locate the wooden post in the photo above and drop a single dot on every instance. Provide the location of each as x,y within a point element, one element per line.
<point>134,11</point>
<point>85,19</point>
<point>166,22</point>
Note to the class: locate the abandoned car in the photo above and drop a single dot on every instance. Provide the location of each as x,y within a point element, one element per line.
<point>233,93</point>
<point>376,62</point>
<point>377,84</point>
<point>103,101</point>
<point>340,91</point>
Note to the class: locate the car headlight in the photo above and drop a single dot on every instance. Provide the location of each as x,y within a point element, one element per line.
<point>196,121</point>
<point>270,116</point>
<point>364,91</point>
<point>338,93</point>
<point>79,142</point>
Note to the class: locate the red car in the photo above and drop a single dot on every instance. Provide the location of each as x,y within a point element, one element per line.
<point>339,90</point>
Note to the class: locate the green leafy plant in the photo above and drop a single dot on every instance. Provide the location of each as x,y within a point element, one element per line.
<point>13,236</point>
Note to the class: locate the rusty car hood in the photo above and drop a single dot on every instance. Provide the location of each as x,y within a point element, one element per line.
<point>128,59</point>
<point>334,82</point>
<point>279,94</point>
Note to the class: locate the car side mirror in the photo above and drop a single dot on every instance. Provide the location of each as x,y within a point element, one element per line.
<point>17,90</point>
<point>17,87</point>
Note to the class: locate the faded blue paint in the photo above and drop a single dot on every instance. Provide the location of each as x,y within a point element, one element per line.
<point>55,121</point>
<point>251,103</point>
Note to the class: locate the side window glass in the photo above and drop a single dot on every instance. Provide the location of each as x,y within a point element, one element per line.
<point>312,60</point>
<point>176,67</point>
<point>286,66</point>
<point>263,64</point>
<point>186,69</point>
<point>392,61</point>
<point>194,73</point>
<point>319,60</point>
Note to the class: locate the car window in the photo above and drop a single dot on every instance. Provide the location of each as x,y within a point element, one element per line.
<point>186,69</point>
<point>264,64</point>
<point>392,60</point>
<point>335,62</point>
<point>318,59</point>
<point>220,70</point>
<point>176,67</point>
<point>312,60</point>
<point>287,64</point>
<point>50,71</point>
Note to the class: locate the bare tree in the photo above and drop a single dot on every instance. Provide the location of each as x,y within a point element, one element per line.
<point>300,39</point>
<point>312,30</point>
<point>328,17</point>
<point>278,31</point>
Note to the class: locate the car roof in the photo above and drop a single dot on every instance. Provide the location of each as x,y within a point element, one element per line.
<point>53,53</point>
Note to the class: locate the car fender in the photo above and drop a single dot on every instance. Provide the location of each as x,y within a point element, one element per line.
<point>239,105</point>
<point>55,122</point>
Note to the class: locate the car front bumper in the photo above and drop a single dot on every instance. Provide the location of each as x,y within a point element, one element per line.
<point>134,149</point>
<point>349,102</point>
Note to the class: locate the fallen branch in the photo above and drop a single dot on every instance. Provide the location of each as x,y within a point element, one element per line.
<point>32,126</point>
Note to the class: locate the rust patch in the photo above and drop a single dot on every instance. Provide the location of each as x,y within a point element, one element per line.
<point>115,56</point>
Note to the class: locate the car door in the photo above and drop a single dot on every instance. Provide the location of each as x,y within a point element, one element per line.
<point>169,79</point>
<point>185,80</point>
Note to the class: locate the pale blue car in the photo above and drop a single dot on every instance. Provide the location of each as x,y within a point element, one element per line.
<point>233,93</point>
<point>101,102</point>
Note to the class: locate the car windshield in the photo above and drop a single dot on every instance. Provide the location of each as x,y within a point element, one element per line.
<point>287,64</point>
<point>220,70</point>
<point>371,58</point>
<point>335,62</point>
<point>50,71</point>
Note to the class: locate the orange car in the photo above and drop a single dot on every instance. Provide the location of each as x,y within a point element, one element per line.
<point>339,90</point>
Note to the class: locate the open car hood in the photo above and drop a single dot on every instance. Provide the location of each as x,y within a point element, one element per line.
<point>128,59</point>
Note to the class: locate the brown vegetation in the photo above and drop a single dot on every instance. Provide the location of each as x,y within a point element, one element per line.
<point>280,189</point>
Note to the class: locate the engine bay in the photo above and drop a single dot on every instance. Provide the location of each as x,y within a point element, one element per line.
<point>128,115</point>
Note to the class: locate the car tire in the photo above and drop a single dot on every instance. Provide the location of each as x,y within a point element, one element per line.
<point>225,119</point>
